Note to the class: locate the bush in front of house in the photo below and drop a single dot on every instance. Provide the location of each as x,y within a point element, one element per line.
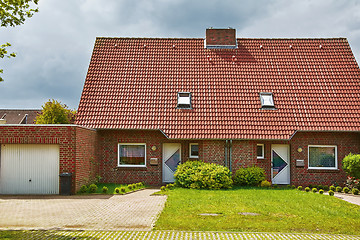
<point>332,188</point>
<point>331,193</point>
<point>201,175</point>
<point>170,186</point>
<point>307,189</point>
<point>123,189</point>
<point>346,190</point>
<point>326,188</point>
<point>105,189</point>
<point>339,189</point>
<point>163,188</point>
<point>314,190</point>
<point>250,176</point>
<point>351,165</point>
<point>265,184</point>
<point>355,191</point>
<point>83,189</point>
<point>117,190</point>
<point>321,191</point>
<point>92,188</point>
<point>352,182</point>
<point>300,188</point>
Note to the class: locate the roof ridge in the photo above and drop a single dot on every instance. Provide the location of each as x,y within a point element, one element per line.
<point>165,38</point>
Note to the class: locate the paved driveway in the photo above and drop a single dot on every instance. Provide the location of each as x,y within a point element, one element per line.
<point>135,211</point>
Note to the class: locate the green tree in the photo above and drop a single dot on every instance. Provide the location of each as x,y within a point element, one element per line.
<point>14,13</point>
<point>351,165</point>
<point>53,112</point>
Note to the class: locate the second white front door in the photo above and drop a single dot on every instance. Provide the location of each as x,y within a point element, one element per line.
<point>171,159</point>
<point>280,159</point>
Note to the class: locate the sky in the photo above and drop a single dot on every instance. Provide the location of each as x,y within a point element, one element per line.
<point>54,46</point>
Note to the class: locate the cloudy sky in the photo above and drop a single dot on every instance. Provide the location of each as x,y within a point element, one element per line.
<point>54,47</point>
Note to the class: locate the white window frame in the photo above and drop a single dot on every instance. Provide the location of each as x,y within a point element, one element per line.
<point>324,168</point>
<point>126,165</point>
<point>263,151</point>
<point>184,100</point>
<point>262,94</point>
<point>193,156</point>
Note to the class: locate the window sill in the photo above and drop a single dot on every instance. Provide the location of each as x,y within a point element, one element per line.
<point>131,166</point>
<point>312,170</point>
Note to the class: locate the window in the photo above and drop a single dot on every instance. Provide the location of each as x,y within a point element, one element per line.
<point>184,100</point>
<point>266,100</point>
<point>132,155</point>
<point>194,150</point>
<point>260,151</point>
<point>322,157</point>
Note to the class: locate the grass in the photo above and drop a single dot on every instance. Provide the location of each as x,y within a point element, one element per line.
<point>111,188</point>
<point>280,210</point>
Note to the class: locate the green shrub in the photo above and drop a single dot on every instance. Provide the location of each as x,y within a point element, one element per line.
<point>293,187</point>
<point>139,185</point>
<point>355,191</point>
<point>307,189</point>
<point>251,176</point>
<point>300,188</point>
<point>351,165</point>
<point>331,193</point>
<point>338,189</point>
<point>163,188</point>
<point>265,184</point>
<point>320,187</point>
<point>311,186</point>
<point>117,190</point>
<point>130,186</point>
<point>83,189</point>
<point>314,190</point>
<point>332,188</point>
<point>326,188</point>
<point>346,190</point>
<point>170,186</point>
<point>123,189</point>
<point>105,189</point>
<point>197,174</point>
<point>275,186</point>
<point>92,188</point>
<point>321,191</point>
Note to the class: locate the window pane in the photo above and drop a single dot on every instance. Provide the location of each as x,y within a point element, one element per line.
<point>260,151</point>
<point>322,157</point>
<point>132,154</point>
<point>194,150</point>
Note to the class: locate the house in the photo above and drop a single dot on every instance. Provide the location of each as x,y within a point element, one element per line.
<point>290,106</point>
<point>18,116</point>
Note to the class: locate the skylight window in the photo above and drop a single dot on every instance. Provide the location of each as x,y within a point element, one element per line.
<point>267,100</point>
<point>184,100</point>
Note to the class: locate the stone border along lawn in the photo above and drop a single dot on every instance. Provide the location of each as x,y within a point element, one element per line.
<point>172,235</point>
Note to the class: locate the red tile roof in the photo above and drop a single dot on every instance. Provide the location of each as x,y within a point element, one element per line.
<point>19,116</point>
<point>133,84</point>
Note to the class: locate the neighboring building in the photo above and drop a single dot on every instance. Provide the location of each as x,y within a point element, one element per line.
<point>18,116</point>
<point>290,106</point>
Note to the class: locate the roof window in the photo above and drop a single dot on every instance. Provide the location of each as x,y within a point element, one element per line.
<point>267,101</point>
<point>184,100</point>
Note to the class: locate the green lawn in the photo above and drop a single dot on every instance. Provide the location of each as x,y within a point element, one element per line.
<point>280,210</point>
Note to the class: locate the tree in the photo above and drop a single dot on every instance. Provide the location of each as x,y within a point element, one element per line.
<point>351,165</point>
<point>14,13</point>
<point>53,112</point>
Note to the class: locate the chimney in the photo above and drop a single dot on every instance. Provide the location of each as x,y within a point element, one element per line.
<point>221,38</point>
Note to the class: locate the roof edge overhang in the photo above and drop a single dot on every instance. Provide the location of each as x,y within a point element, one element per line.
<point>324,131</point>
<point>45,125</point>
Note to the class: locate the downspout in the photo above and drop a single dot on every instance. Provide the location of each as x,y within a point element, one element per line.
<point>230,156</point>
<point>226,152</point>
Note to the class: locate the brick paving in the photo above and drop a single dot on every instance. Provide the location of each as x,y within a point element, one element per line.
<point>172,235</point>
<point>135,211</point>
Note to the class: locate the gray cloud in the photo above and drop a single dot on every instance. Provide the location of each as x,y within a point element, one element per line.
<point>54,47</point>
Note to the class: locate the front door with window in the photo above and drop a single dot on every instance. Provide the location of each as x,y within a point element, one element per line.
<point>280,158</point>
<point>171,159</point>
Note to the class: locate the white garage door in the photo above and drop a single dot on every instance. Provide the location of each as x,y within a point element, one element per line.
<point>29,169</point>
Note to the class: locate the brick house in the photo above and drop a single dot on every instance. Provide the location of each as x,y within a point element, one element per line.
<point>290,106</point>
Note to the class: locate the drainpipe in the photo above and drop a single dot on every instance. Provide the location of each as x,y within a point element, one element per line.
<point>230,155</point>
<point>226,152</point>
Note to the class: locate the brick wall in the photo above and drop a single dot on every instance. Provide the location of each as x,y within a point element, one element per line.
<point>63,135</point>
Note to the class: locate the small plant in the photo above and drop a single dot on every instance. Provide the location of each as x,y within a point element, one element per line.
<point>293,187</point>
<point>338,189</point>
<point>123,189</point>
<point>314,190</point>
<point>170,186</point>
<point>331,193</point>
<point>83,189</point>
<point>307,189</point>
<point>251,176</point>
<point>321,191</point>
<point>311,186</point>
<point>300,188</point>
<point>92,188</point>
<point>163,188</point>
<point>332,188</point>
<point>139,185</point>
<point>346,190</point>
<point>326,188</point>
<point>265,184</point>
<point>275,186</point>
<point>105,189</point>
<point>355,191</point>
<point>351,183</point>
<point>117,190</point>
<point>320,187</point>
<point>130,187</point>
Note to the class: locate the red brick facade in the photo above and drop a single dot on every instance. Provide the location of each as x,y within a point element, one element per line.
<point>76,146</point>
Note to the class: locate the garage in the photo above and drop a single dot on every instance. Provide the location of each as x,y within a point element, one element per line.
<point>29,169</point>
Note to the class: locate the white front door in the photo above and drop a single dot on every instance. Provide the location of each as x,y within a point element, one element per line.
<point>171,159</point>
<point>280,159</point>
